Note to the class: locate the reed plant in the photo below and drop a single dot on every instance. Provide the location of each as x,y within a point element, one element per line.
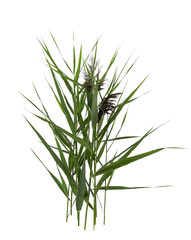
<point>81,151</point>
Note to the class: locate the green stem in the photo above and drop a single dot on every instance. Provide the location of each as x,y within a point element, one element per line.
<point>67,208</point>
<point>78,217</point>
<point>71,204</point>
<point>75,143</point>
<point>86,213</point>
<point>104,205</point>
<point>105,181</point>
<point>95,161</point>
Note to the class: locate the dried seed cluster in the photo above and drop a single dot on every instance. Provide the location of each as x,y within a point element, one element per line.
<point>91,74</point>
<point>107,105</point>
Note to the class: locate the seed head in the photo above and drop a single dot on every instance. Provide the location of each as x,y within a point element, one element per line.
<point>107,105</point>
<point>91,73</point>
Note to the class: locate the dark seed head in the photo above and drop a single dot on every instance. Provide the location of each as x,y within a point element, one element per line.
<point>107,105</point>
<point>92,72</point>
<point>100,85</point>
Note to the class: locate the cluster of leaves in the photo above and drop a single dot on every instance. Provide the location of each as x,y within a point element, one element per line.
<point>81,150</point>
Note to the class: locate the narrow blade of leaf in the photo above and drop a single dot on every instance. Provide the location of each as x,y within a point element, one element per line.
<point>63,189</point>
<point>125,161</point>
<point>57,160</point>
<point>102,179</point>
<point>61,153</point>
<point>129,188</point>
<point>120,138</point>
<point>64,186</point>
<point>81,189</point>
<point>60,52</point>
<point>79,66</point>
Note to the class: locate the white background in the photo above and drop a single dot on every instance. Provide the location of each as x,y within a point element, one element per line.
<point>31,205</point>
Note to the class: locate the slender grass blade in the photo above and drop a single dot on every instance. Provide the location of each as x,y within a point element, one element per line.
<point>62,187</point>
<point>129,188</point>
<point>79,66</point>
<point>60,52</point>
<point>102,180</point>
<point>125,161</point>
<point>81,189</point>
<point>57,160</point>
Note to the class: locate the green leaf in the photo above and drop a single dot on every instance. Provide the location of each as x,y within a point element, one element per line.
<point>77,139</point>
<point>103,146</point>
<point>110,64</point>
<point>101,150</point>
<point>57,148</point>
<point>94,46</point>
<point>112,83</point>
<point>129,188</point>
<point>81,189</point>
<point>62,188</point>
<point>120,138</point>
<point>133,146</point>
<point>62,101</point>
<point>73,136</point>
<point>57,160</point>
<point>61,136</point>
<point>32,103</point>
<point>116,136</point>
<point>61,154</point>
<point>117,111</point>
<point>83,124</point>
<point>130,67</point>
<point>66,80</point>
<point>79,66</point>
<point>74,57</point>
<point>56,130</point>
<point>69,106</point>
<point>56,68</point>
<point>129,149</point>
<point>60,52</point>
<point>103,179</point>
<point>125,161</point>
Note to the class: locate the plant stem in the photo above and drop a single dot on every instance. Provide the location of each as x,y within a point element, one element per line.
<point>78,217</point>
<point>75,143</point>
<point>104,205</point>
<point>95,161</point>
<point>86,213</point>
<point>105,181</point>
<point>71,204</point>
<point>67,204</point>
